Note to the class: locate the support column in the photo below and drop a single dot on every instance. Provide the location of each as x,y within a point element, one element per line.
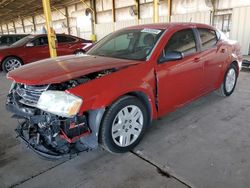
<point>113,15</point>
<point>67,19</point>
<point>14,26</point>
<point>23,25</point>
<point>34,23</point>
<point>137,7</point>
<point>156,11</point>
<point>50,32</point>
<point>7,28</point>
<point>94,19</point>
<point>169,10</point>
<point>1,29</point>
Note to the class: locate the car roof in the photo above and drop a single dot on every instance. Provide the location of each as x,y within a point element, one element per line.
<point>170,25</point>
<point>7,35</point>
<point>40,35</point>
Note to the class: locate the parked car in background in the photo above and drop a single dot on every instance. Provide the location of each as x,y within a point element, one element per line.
<point>35,47</point>
<point>6,40</point>
<point>110,95</point>
<point>246,63</point>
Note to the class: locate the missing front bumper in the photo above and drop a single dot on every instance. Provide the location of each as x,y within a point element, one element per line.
<point>36,144</point>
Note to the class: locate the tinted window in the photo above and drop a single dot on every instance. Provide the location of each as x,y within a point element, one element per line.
<point>208,38</point>
<point>40,41</point>
<point>182,41</point>
<point>6,40</point>
<point>65,39</point>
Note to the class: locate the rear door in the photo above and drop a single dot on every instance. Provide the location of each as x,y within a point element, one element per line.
<point>66,45</point>
<point>180,80</point>
<point>213,56</point>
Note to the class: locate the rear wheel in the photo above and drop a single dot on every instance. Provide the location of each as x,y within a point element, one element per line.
<point>11,63</point>
<point>79,52</point>
<point>123,125</point>
<point>230,80</point>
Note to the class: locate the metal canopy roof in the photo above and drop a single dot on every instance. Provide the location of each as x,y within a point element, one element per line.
<point>13,9</point>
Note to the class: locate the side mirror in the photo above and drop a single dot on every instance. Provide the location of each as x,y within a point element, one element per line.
<point>30,44</point>
<point>171,56</point>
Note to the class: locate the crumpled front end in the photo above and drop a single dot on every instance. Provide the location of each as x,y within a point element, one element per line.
<point>47,134</point>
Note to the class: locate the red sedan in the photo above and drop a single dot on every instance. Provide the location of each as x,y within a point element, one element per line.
<point>35,47</point>
<point>110,95</point>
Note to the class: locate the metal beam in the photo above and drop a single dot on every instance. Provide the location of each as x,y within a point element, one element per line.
<point>50,32</point>
<point>113,15</point>
<point>156,11</point>
<point>7,28</point>
<point>137,7</point>
<point>23,25</point>
<point>67,19</point>
<point>169,10</point>
<point>14,26</point>
<point>58,10</point>
<point>93,7</point>
<point>1,28</point>
<point>34,23</point>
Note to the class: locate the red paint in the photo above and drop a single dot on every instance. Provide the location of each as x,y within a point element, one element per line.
<point>71,140</point>
<point>35,53</point>
<point>176,82</point>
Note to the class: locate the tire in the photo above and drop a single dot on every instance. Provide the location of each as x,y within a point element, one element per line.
<point>120,132</point>
<point>11,63</point>
<point>229,82</point>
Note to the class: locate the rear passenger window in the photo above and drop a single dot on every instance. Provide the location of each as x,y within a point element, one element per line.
<point>208,38</point>
<point>65,39</point>
<point>182,41</point>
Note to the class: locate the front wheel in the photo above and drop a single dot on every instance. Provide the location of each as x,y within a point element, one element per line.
<point>123,125</point>
<point>230,80</point>
<point>11,63</point>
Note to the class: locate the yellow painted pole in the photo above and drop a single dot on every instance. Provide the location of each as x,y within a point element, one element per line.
<point>113,15</point>
<point>137,6</point>
<point>156,11</point>
<point>169,10</point>
<point>50,32</point>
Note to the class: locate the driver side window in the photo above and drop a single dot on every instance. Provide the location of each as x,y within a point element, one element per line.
<point>40,41</point>
<point>182,41</point>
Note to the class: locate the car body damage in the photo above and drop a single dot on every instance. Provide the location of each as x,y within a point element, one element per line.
<point>75,103</point>
<point>55,136</point>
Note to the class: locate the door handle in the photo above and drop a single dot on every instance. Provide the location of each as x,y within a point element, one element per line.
<point>223,50</point>
<point>197,59</point>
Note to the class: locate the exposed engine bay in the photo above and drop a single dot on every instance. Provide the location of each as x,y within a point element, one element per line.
<point>50,135</point>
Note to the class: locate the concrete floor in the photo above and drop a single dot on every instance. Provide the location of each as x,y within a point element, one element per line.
<point>204,144</point>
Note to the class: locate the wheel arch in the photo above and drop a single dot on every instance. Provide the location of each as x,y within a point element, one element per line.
<point>144,99</point>
<point>236,65</point>
<point>12,56</point>
<point>1,63</point>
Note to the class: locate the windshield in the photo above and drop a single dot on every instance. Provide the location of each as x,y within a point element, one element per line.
<point>135,44</point>
<point>23,40</point>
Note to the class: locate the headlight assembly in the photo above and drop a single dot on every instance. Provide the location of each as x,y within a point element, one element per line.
<point>59,103</point>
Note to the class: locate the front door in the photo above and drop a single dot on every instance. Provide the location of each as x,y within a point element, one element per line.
<point>39,50</point>
<point>179,80</point>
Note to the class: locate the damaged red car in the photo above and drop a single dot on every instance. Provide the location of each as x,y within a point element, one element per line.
<point>109,96</point>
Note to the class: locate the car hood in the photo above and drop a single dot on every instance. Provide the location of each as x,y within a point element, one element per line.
<point>62,69</point>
